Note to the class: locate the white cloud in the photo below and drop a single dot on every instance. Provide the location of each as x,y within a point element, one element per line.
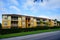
<point>54,3</point>
<point>55,17</point>
<point>24,14</point>
<point>14,2</point>
<point>45,5</point>
<point>43,16</point>
<point>31,6</point>
<point>3,10</point>
<point>27,4</point>
<point>15,8</point>
<point>51,17</point>
<point>50,4</point>
<point>1,3</point>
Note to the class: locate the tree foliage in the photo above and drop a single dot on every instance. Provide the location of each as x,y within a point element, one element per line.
<point>0,26</point>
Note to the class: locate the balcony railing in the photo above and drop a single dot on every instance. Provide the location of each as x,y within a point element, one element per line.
<point>29,22</point>
<point>14,24</point>
<point>14,19</point>
<point>38,24</point>
<point>38,21</point>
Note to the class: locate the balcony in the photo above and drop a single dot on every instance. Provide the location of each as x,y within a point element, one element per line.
<point>38,21</point>
<point>14,19</point>
<point>14,25</point>
<point>38,24</point>
<point>44,21</point>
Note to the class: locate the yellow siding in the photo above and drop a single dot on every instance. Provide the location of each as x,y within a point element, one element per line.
<point>8,23</point>
<point>27,24</point>
<point>23,22</point>
<point>35,23</point>
<point>51,23</point>
<point>41,24</point>
<point>31,22</point>
<point>19,22</point>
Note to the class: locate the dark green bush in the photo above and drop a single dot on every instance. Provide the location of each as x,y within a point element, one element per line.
<point>16,29</point>
<point>0,27</point>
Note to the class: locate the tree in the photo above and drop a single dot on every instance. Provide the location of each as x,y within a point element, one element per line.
<point>41,22</point>
<point>55,19</point>
<point>47,23</point>
<point>42,26</point>
<point>0,26</point>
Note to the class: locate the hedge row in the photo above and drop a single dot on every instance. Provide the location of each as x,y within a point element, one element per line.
<point>16,30</point>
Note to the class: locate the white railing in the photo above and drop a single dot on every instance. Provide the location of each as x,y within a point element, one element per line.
<point>14,24</point>
<point>14,19</point>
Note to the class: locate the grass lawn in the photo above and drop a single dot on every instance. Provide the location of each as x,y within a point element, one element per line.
<point>26,33</point>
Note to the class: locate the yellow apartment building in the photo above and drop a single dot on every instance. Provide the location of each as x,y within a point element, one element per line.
<point>23,21</point>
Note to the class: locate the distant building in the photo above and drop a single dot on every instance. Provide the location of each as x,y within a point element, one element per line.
<point>22,21</point>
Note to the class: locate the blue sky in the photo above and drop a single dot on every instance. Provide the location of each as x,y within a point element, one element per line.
<point>46,9</point>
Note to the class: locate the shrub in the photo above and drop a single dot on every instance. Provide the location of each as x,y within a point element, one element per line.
<point>16,29</point>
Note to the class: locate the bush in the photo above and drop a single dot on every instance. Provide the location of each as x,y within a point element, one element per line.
<point>16,29</point>
<point>0,28</point>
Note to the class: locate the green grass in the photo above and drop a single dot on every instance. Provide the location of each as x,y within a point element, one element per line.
<point>26,33</point>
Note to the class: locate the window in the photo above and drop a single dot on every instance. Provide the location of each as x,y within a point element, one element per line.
<point>19,18</point>
<point>32,23</point>
<point>4,17</point>
<point>31,18</point>
<point>28,24</point>
<point>49,20</point>
<point>54,23</point>
<point>23,23</point>
<point>23,18</point>
<point>5,23</point>
<point>9,18</point>
<point>44,19</point>
<point>38,22</point>
<point>34,20</point>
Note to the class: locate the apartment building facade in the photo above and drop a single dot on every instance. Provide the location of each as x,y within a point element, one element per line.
<point>23,21</point>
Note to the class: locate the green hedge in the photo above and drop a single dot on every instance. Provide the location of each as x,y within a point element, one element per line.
<point>16,30</point>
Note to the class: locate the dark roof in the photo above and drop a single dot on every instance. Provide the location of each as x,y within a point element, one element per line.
<point>23,15</point>
<point>10,15</point>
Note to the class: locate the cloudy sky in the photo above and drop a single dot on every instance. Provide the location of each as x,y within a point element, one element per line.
<point>41,8</point>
